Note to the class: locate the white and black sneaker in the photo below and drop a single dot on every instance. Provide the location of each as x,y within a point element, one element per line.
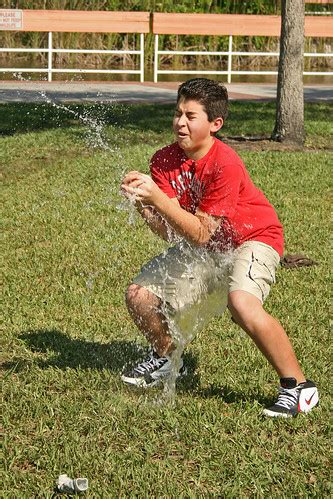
<point>151,372</point>
<point>293,398</point>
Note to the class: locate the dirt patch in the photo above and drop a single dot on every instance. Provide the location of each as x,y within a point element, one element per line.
<point>266,144</point>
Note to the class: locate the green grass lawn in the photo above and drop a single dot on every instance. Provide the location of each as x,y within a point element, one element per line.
<point>70,247</point>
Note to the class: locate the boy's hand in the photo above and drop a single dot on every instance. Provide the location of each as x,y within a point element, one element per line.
<point>196,228</point>
<point>140,187</point>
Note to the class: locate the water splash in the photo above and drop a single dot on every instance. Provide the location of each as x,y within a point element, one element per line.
<point>95,121</point>
<point>184,324</point>
<point>95,125</point>
<point>127,204</point>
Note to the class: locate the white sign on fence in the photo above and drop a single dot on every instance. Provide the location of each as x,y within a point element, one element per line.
<point>11,19</point>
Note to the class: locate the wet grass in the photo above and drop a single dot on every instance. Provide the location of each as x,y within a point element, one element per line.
<point>71,246</point>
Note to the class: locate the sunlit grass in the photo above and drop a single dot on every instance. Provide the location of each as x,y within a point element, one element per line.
<point>71,246</point>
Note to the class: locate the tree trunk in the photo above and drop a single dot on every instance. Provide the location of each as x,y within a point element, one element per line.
<point>289,124</point>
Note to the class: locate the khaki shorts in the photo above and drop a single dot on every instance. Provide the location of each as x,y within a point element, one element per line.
<point>193,284</point>
<point>254,268</point>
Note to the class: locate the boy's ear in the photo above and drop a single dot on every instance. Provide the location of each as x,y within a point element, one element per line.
<point>216,125</point>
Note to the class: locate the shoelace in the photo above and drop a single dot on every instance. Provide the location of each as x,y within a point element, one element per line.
<point>287,397</point>
<point>150,364</point>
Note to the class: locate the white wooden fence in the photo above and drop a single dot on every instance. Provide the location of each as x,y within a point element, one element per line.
<point>141,23</point>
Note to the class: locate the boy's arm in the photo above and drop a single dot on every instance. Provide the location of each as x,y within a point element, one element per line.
<point>197,228</point>
<point>154,220</point>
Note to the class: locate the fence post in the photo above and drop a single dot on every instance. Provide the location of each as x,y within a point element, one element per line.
<point>155,58</point>
<point>229,58</point>
<point>49,58</point>
<point>142,58</point>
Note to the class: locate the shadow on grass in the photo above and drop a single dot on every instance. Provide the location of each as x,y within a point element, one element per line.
<point>65,352</point>
<point>23,117</point>
<point>230,396</point>
<point>18,118</point>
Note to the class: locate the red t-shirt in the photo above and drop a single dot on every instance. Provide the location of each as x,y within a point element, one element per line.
<point>219,185</point>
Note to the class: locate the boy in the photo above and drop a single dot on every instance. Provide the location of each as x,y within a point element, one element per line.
<point>200,190</point>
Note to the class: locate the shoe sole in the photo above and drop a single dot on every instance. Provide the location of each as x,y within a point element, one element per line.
<point>272,414</point>
<point>139,382</point>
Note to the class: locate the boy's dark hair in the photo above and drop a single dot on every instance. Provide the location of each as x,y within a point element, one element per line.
<point>212,95</point>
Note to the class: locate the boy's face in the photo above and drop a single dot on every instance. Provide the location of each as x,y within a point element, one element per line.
<point>192,129</point>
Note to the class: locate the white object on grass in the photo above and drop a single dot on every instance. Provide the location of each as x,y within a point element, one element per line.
<point>68,485</point>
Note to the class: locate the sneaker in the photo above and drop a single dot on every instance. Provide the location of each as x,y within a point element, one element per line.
<point>293,398</point>
<point>150,372</point>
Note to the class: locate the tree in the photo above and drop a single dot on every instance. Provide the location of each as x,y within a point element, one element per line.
<point>289,124</point>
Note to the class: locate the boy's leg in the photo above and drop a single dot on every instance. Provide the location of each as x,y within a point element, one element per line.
<point>252,276</point>
<point>266,332</point>
<point>172,298</point>
<point>145,310</point>
<point>250,281</point>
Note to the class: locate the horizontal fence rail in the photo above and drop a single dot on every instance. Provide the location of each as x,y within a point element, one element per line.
<point>51,51</point>
<point>141,23</point>
<point>79,21</point>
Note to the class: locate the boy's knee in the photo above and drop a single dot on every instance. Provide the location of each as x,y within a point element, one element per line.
<point>137,295</point>
<point>133,294</point>
<point>236,302</point>
<point>243,306</point>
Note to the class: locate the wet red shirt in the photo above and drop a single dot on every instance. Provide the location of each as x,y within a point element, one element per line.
<point>219,185</point>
